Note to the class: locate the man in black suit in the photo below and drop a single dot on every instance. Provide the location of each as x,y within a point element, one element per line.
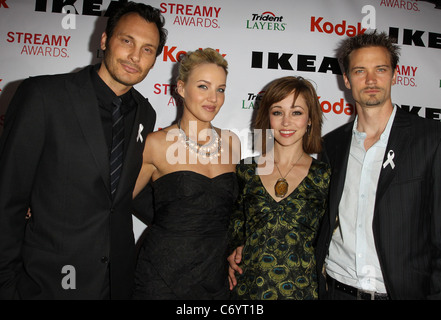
<point>381,237</point>
<point>55,160</point>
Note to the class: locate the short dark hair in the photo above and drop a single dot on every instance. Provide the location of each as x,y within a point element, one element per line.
<point>365,40</point>
<point>278,90</point>
<point>149,13</point>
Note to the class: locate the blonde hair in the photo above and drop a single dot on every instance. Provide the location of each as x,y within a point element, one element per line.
<point>194,58</point>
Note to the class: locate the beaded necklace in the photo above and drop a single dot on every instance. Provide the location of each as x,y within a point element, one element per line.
<point>210,150</point>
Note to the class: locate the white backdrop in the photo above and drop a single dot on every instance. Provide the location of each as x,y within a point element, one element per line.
<point>261,40</point>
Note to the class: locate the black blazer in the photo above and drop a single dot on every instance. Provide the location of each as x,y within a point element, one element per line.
<point>55,160</point>
<point>407,214</point>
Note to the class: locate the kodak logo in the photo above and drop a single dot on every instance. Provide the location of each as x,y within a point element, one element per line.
<point>341,29</point>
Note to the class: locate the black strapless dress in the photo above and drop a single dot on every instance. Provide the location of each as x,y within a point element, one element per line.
<point>184,253</point>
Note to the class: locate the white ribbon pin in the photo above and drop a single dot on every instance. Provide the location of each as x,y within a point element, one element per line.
<point>390,156</point>
<point>139,137</point>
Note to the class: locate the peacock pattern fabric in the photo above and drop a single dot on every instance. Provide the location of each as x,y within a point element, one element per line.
<point>278,259</point>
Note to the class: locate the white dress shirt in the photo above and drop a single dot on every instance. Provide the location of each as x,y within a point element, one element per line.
<point>352,257</point>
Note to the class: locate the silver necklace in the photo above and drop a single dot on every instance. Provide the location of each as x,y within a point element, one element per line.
<point>212,149</point>
<point>281,186</point>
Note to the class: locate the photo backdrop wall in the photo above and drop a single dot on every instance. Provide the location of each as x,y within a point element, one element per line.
<point>261,40</point>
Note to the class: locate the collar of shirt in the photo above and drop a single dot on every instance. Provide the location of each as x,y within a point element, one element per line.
<point>360,136</point>
<point>105,95</point>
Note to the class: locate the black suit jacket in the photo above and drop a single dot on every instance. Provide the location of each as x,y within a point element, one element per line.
<point>55,160</point>
<point>407,213</point>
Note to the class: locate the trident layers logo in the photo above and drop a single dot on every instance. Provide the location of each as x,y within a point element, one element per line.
<point>266,21</point>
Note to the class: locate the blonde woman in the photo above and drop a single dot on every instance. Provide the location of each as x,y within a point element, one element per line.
<point>192,168</point>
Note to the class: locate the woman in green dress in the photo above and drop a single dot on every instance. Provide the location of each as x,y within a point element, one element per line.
<point>282,198</point>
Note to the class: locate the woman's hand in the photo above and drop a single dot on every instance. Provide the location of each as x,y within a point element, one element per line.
<point>234,259</point>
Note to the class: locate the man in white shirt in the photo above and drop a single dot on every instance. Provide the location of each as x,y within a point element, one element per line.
<point>381,237</point>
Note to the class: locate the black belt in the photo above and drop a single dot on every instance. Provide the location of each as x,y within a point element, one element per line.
<point>358,293</point>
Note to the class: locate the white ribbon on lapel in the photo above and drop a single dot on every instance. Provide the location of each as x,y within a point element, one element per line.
<point>139,137</point>
<point>390,156</point>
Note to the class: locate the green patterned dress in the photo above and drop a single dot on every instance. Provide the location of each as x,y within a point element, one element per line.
<point>278,260</point>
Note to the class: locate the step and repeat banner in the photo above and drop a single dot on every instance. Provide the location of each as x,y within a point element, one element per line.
<point>262,40</point>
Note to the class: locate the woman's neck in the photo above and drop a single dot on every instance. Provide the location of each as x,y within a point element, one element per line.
<point>284,155</point>
<point>195,129</point>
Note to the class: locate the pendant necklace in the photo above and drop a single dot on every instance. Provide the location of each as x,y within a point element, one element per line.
<point>281,186</point>
<point>210,150</point>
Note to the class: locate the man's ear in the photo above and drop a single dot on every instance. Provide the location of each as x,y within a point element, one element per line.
<point>394,77</point>
<point>103,41</point>
<point>347,82</point>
